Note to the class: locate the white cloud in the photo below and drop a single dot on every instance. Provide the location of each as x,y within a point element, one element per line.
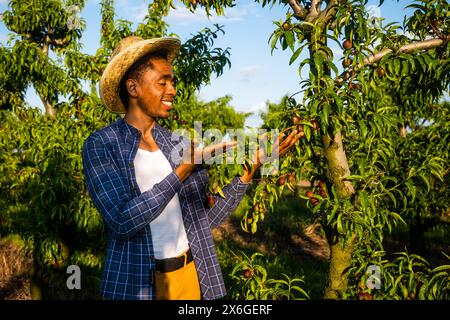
<point>130,10</point>
<point>257,107</point>
<point>248,73</point>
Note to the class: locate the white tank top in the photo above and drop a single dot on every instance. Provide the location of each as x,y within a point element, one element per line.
<point>168,232</point>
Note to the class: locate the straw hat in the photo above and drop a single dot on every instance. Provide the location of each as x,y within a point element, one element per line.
<point>127,52</point>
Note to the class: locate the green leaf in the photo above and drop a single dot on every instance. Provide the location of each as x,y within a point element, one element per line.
<point>290,39</point>
<point>296,54</point>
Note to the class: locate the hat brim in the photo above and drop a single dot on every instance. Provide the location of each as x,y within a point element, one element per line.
<point>119,64</point>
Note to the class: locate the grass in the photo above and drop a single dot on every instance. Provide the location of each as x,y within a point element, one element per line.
<point>14,270</point>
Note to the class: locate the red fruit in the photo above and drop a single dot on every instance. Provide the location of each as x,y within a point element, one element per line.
<point>296,119</point>
<point>347,62</point>
<point>436,23</point>
<point>299,128</point>
<point>347,44</point>
<point>248,273</point>
<point>365,296</point>
<point>210,201</point>
<point>313,201</point>
<point>291,177</point>
<point>315,124</point>
<point>309,194</point>
<point>281,181</point>
<point>322,193</point>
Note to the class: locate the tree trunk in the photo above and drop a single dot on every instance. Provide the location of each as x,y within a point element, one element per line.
<point>49,109</point>
<point>338,170</point>
<point>340,258</point>
<point>338,165</point>
<point>39,287</point>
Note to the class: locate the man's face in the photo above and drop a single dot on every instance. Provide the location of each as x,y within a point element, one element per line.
<point>155,89</point>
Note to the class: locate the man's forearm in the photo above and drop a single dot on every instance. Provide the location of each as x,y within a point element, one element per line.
<point>184,170</point>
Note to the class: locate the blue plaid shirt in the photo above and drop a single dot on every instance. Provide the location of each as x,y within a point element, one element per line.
<point>108,163</point>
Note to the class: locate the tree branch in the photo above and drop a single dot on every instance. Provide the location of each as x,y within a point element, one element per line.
<point>421,45</point>
<point>59,42</point>
<point>329,12</point>
<point>299,11</point>
<point>315,9</point>
<point>46,44</point>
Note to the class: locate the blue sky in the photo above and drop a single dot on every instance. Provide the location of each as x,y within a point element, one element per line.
<point>255,77</point>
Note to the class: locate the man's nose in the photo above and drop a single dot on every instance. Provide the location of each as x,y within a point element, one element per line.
<point>172,90</point>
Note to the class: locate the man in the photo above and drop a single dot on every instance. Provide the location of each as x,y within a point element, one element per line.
<point>159,231</point>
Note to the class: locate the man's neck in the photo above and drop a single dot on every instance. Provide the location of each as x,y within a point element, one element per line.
<point>141,122</point>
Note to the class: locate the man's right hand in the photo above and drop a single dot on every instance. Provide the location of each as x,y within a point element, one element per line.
<point>195,156</point>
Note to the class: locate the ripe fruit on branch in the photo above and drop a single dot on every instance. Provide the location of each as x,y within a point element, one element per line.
<point>291,177</point>
<point>347,44</point>
<point>210,201</point>
<point>322,191</point>
<point>296,119</point>
<point>436,23</point>
<point>281,181</point>
<point>287,26</point>
<point>248,273</point>
<point>380,72</point>
<point>315,124</point>
<point>365,296</point>
<point>355,86</point>
<point>313,201</point>
<point>309,194</point>
<point>347,62</point>
<point>299,128</point>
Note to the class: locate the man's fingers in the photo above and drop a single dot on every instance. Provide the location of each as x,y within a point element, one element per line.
<point>210,151</point>
<point>289,138</point>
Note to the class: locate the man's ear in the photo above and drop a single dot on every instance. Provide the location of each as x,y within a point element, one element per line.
<point>131,86</point>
